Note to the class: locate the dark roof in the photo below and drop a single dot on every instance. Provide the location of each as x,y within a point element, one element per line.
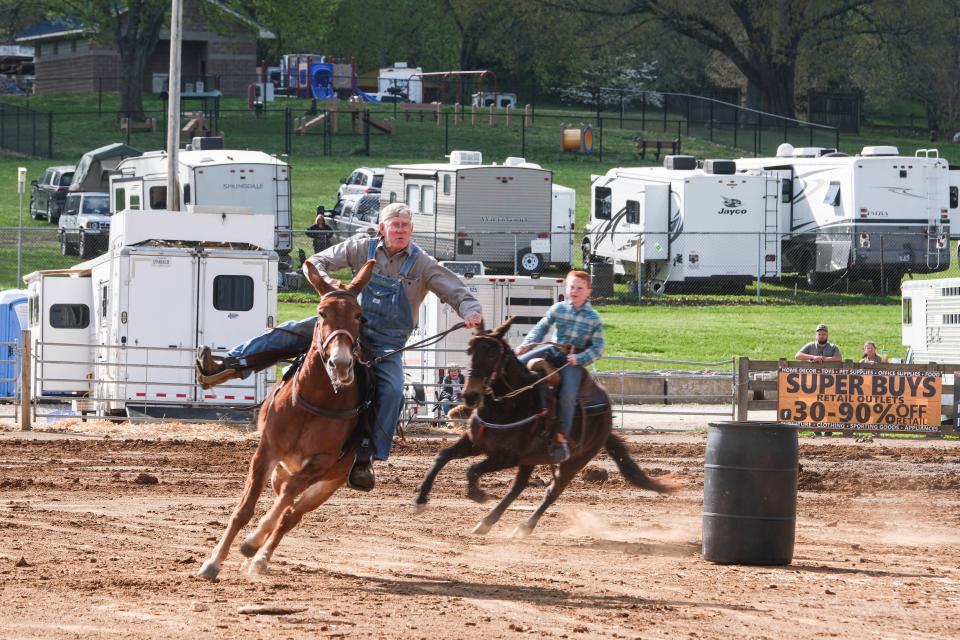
<point>49,28</point>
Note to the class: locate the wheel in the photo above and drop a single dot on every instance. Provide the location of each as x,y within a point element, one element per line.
<point>33,210</point>
<point>52,217</point>
<point>84,247</point>
<point>813,278</point>
<point>529,263</point>
<point>64,245</point>
<point>585,251</point>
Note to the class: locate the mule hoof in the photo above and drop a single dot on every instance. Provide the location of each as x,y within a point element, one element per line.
<point>248,550</point>
<point>258,566</point>
<point>209,570</point>
<point>478,495</point>
<point>419,507</point>
<point>481,529</point>
<point>521,532</point>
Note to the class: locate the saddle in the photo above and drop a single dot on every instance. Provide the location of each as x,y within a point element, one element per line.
<point>592,398</point>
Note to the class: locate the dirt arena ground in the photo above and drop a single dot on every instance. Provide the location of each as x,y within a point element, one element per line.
<point>87,551</point>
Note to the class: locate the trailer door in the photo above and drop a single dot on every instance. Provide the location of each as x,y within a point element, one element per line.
<point>655,221</point>
<point>64,353</point>
<point>236,301</point>
<point>158,330</point>
<point>562,224</point>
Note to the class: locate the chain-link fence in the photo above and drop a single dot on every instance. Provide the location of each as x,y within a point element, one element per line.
<point>26,131</point>
<point>628,266</point>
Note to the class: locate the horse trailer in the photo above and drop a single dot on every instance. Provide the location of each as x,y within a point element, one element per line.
<point>211,178</point>
<point>526,298</point>
<point>930,320</point>
<point>877,213</point>
<point>682,224</point>
<point>122,329</point>
<point>505,215</point>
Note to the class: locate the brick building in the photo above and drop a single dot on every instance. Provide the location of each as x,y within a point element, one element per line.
<point>67,61</point>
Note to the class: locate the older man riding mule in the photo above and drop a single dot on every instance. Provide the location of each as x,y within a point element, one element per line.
<point>510,426</point>
<point>308,428</point>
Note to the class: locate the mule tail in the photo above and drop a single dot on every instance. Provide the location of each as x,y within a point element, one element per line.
<point>617,449</point>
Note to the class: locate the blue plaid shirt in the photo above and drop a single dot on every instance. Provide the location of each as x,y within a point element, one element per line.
<point>580,327</point>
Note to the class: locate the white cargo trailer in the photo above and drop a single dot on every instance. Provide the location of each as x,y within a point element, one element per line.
<point>681,224</point>
<point>167,284</point>
<point>877,214</point>
<point>210,178</point>
<point>505,215</point>
<point>930,320</point>
<point>525,298</point>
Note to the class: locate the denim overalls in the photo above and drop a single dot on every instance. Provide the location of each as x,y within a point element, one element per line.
<point>389,322</point>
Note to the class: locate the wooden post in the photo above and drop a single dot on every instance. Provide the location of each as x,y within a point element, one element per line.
<point>743,389</point>
<point>509,112</point>
<point>473,115</point>
<point>438,113</point>
<point>526,115</point>
<point>25,381</point>
<point>490,118</point>
<point>457,113</point>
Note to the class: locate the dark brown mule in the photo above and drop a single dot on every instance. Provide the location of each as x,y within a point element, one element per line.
<point>494,373</point>
<point>304,425</point>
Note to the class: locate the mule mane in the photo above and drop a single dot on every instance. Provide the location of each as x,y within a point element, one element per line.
<point>510,361</point>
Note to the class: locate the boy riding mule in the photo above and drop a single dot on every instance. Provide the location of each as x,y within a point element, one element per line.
<point>510,426</point>
<point>306,426</point>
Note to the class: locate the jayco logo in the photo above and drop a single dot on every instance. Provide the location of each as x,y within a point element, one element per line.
<point>731,207</point>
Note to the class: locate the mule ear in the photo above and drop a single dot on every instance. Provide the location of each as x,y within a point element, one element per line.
<point>502,329</point>
<point>319,283</point>
<point>362,278</point>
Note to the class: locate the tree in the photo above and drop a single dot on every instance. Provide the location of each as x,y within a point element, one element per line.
<point>762,39</point>
<point>133,28</point>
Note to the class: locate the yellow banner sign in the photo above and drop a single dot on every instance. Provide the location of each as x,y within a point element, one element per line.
<point>862,399</point>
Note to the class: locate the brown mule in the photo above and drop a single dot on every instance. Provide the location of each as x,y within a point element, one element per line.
<point>494,373</point>
<point>305,426</point>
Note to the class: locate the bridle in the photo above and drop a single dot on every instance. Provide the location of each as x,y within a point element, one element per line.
<point>498,368</point>
<point>354,343</point>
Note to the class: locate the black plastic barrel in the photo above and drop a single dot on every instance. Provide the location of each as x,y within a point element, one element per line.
<point>601,279</point>
<point>750,493</point>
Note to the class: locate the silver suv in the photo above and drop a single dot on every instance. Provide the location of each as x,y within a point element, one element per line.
<point>362,181</point>
<point>85,224</point>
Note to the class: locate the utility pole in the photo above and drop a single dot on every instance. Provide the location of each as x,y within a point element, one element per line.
<point>173,106</point>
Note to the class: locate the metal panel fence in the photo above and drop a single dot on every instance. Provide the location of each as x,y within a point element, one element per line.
<point>26,131</point>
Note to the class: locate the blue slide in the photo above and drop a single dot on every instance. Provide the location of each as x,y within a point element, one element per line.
<point>366,97</point>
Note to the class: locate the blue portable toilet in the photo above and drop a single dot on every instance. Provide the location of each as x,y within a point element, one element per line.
<point>13,317</point>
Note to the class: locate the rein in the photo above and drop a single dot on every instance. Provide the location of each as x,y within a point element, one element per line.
<point>426,342</point>
<point>489,380</point>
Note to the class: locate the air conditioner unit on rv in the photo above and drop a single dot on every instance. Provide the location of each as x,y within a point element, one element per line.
<point>466,157</point>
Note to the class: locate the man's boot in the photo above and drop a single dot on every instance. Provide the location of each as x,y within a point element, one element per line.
<point>213,371</point>
<point>361,475</point>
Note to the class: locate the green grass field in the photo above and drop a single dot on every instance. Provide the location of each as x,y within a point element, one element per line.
<point>701,328</point>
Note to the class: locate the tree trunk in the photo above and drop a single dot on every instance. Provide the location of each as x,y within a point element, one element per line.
<point>132,66</point>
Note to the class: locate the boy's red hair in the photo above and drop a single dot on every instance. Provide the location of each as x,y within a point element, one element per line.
<point>583,275</point>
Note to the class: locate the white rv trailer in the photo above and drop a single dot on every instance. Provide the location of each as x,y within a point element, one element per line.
<point>930,320</point>
<point>835,209</point>
<point>503,215</point>
<point>526,298</point>
<point>682,224</point>
<point>167,284</point>
<point>211,177</point>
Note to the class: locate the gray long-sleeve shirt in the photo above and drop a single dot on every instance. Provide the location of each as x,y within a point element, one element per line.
<point>425,275</point>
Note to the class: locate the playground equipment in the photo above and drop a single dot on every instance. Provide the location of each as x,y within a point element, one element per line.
<point>308,75</point>
<point>576,139</point>
<point>333,108</point>
<point>197,125</point>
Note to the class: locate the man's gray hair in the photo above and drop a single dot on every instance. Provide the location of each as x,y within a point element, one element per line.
<point>395,210</point>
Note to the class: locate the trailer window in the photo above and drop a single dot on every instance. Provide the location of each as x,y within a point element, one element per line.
<point>186,194</point>
<point>907,312</point>
<point>633,212</point>
<point>233,293</point>
<point>119,199</point>
<point>69,316</point>
<point>786,190</point>
<point>103,301</point>
<point>446,184</point>
<point>833,195</point>
<point>158,197</point>
<point>135,201</point>
<point>602,203</point>
<point>954,198</point>
<point>420,198</point>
